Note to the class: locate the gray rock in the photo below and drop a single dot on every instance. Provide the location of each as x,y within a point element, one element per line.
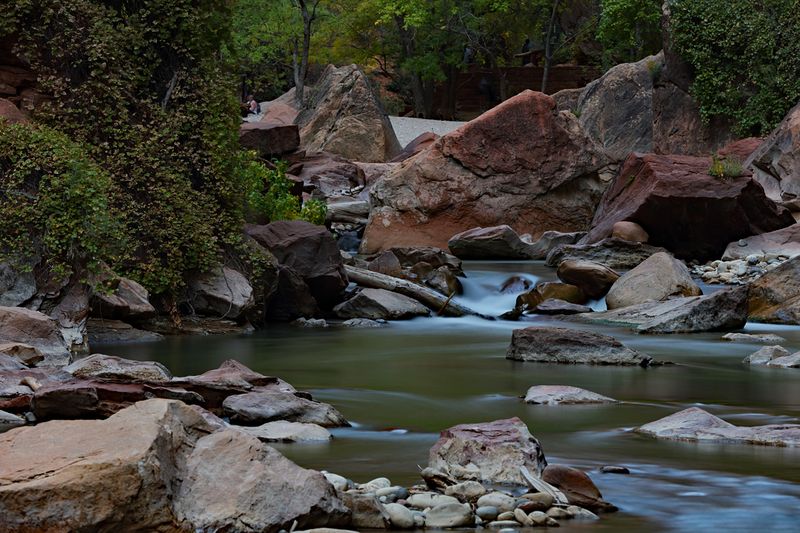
<point>497,242</point>
<point>722,310</point>
<point>487,512</point>
<point>376,484</point>
<point>425,500</point>
<point>10,421</point>
<point>541,500</point>
<point>16,286</point>
<point>340,483</point>
<point>25,353</point>
<point>19,325</point>
<point>616,254</point>
<point>563,395</point>
<point>787,361</point>
<point>309,323</point>
<point>256,408</point>
<point>614,469</point>
<point>498,500</point>
<point>695,424</point>
<point>558,513</point>
<point>764,338</point>
<point>552,239</point>
<point>367,511</point>
<point>539,518</point>
<point>102,366</point>
<point>571,346</point>
<point>377,304</point>
<point>364,323</point>
<point>128,301</point>
<point>657,278</point>
<point>223,292</point>
<point>104,331</point>
<point>467,491</point>
<point>502,524</point>
<point>399,516</point>
<point>553,306</point>
<point>521,517</point>
<point>449,515</point>
<point>283,431</point>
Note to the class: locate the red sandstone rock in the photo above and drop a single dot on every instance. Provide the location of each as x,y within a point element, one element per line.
<point>11,113</point>
<point>418,144</point>
<point>683,208</point>
<point>522,163</point>
<point>577,487</point>
<point>269,138</point>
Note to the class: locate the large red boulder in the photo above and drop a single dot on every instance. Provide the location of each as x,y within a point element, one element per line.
<point>523,163</point>
<point>683,208</point>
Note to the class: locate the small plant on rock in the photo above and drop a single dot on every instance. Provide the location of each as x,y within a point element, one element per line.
<point>725,167</point>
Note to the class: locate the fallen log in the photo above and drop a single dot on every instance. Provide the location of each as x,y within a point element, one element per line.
<point>441,304</point>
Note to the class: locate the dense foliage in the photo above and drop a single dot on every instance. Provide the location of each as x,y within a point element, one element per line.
<point>629,29</point>
<point>269,194</point>
<point>53,202</point>
<point>746,58</point>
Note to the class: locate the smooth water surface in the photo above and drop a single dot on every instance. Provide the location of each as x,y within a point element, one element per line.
<point>402,384</point>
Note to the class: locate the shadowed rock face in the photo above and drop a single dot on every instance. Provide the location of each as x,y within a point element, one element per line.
<point>775,296</point>
<point>683,208</point>
<point>776,163</point>
<point>522,163</point>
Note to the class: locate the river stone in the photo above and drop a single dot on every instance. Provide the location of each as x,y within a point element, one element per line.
<point>19,325</point>
<point>571,346</point>
<point>399,516</point>
<point>222,292</point>
<point>449,515</point>
<point>782,242</point>
<point>614,253</point>
<point>376,484</point>
<point>380,304</point>
<point>386,263</point>
<point>502,525</point>
<point>116,368</point>
<point>694,424</point>
<point>522,517</point>
<point>424,500</point>
<point>786,361</point>
<point>577,486</point>
<point>550,240</point>
<point>723,310</point>
<point>594,279</point>
<point>283,431</point>
<point>128,301</point>
<point>487,512</point>
<point>367,512</point>
<point>24,353</point>
<point>658,278</point>
<point>506,515</point>
<point>539,518</point>
<point>436,479</point>
<point>541,500</point>
<point>256,408</point>
<point>552,306</point>
<point>558,513</point>
<point>10,421</point>
<point>468,491</point>
<point>497,242</point>
<point>499,449</point>
<point>105,331</point>
<point>563,395</point>
<point>764,338</point>
<point>340,483</point>
<point>775,296</point>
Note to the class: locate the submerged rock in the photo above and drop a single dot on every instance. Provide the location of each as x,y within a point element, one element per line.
<point>563,395</point>
<point>284,431</point>
<point>764,338</point>
<point>261,407</point>
<point>578,487</point>
<point>571,346</point>
<point>380,304</point>
<point>765,355</point>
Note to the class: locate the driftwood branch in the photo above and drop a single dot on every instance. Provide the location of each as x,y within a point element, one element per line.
<point>428,297</point>
<point>170,88</point>
<point>541,485</point>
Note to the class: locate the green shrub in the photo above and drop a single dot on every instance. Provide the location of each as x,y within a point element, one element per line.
<point>725,167</point>
<point>746,58</point>
<point>269,194</point>
<point>54,203</point>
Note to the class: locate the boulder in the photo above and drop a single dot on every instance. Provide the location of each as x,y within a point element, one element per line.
<point>577,487</point>
<point>696,425</point>
<point>629,231</point>
<point>366,511</point>
<point>616,110</point>
<point>648,186</point>
<point>594,279</point>
<point>563,395</point>
<point>127,301</point>
<point>496,449</point>
<point>11,113</point>
<point>552,239</point>
<point>24,353</point>
<point>657,278</point>
<point>10,421</point>
<point>292,298</point>
<point>418,144</point>
<point>256,408</point>
<point>723,310</point>
<point>386,263</point>
<point>17,285</point>
<point>18,325</point>
<point>283,431</point>
<point>109,367</point>
<point>377,304</point>
<point>308,250</point>
<point>223,292</point>
<point>400,517</point>
<point>467,491</point>
<point>613,253</point>
<point>102,331</point>
<point>765,355</point>
<point>763,338</point>
<point>263,490</point>
<point>571,346</point>
<point>498,242</point>
<point>348,212</point>
<point>775,296</point>
<point>345,117</point>
<point>269,139</point>
<point>329,175</point>
<point>425,500</point>
<point>8,362</point>
<point>521,163</point>
<point>782,242</point>
<point>776,163</point>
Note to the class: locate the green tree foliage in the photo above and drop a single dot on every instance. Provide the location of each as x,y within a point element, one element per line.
<point>139,83</point>
<point>629,29</point>
<point>746,58</point>
<point>269,194</point>
<point>54,203</point>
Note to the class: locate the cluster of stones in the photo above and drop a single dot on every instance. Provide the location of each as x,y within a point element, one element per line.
<point>378,504</point>
<point>738,271</point>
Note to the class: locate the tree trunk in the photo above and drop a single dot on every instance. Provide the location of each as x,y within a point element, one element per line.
<point>548,46</point>
<point>407,50</point>
<point>300,64</point>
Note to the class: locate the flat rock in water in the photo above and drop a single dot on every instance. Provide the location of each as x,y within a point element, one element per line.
<point>695,424</point>
<point>283,431</point>
<point>765,355</point>
<point>723,310</point>
<point>571,346</point>
<point>764,338</point>
<point>104,331</point>
<point>497,449</point>
<point>261,407</point>
<point>111,367</point>
<point>614,253</point>
<point>553,306</point>
<point>786,361</point>
<point>380,304</point>
<point>563,395</point>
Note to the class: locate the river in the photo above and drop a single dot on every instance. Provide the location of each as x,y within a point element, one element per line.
<point>402,384</point>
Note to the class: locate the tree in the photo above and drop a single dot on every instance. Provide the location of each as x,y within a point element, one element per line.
<point>629,29</point>
<point>308,12</point>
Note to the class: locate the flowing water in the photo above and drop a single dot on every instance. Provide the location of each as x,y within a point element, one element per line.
<point>402,384</point>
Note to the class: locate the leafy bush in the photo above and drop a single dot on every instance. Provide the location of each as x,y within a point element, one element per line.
<point>725,167</point>
<point>269,194</point>
<point>629,29</point>
<point>746,57</point>
<point>141,85</point>
<point>54,202</point>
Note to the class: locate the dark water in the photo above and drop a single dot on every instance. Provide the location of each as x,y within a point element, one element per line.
<point>401,385</point>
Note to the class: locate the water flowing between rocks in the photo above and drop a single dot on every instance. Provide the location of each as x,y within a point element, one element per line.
<point>402,384</point>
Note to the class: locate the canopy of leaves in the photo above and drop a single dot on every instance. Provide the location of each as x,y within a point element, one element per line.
<point>746,58</point>
<point>629,29</point>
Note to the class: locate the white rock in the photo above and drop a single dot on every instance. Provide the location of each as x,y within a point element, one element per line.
<point>449,515</point>
<point>503,502</point>
<point>399,516</point>
<point>425,500</point>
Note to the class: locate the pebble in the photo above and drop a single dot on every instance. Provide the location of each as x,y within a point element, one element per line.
<point>340,483</point>
<point>498,524</point>
<point>399,516</point>
<point>399,493</point>
<point>425,500</point>
<point>503,502</point>
<point>522,518</point>
<point>487,512</point>
<point>449,515</point>
<point>419,518</point>
<point>468,491</point>
<point>613,469</point>
<point>538,518</point>
<point>543,500</point>
<point>506,515</point>
<point>558,512</point>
